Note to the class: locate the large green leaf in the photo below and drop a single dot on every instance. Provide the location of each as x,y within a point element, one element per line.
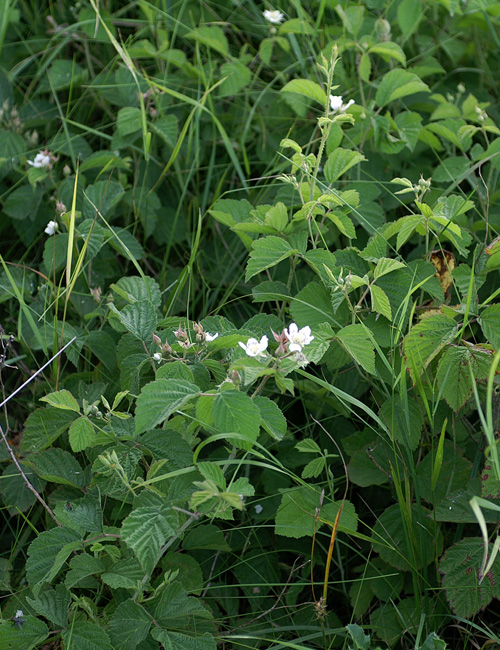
<point>139,318</point>
<point>82,569</point>
<point>356,342</point>
<point>159,399</point>
<point>83,515</point>
<point>43,427</point>
<point>296,514</point>
<point>425,340</point>
<point>339,161</point>
<point>47,553</point>
<point>178,641</point>
<point>86,635</point>
<point>127,573</point>
<point>403,419</point>
<point>129,625</point>
<point>175,609</point>
<point>62,399</point>
<point>398,83</point>
<point>454,376</point>
<point>272,418</point>
<point>211,36</point>
<point>312,306</point>
<point>490,324</point>
<point>267,252</point>
<point>81,434</point>
<point>15,494</point>
<point>58,466</point>
<point>31,634</point>
<point>145,531</point>
<point>307,88</point>
<point>53,604</point>
<point>460,566</point>
<point>235,412</point>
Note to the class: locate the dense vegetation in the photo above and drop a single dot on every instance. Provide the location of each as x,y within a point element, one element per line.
<point>250,324</point>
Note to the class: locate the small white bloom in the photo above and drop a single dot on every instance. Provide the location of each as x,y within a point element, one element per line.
<point>255,348</point>
<point>258,508</point>
<point>298,338</point>
<point>19,613</point>
<point>275,17</point>
<point>51,228</point>
<point>41,160</point>
<point>211,337</point>
<point>157,357</point>
<point>337,105</point>
<point>185,344</point>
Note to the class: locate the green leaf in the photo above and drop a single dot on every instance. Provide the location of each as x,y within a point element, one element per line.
<point>135,288</point>
<point>32,633</point>
<point>365,66</point>
<point>312,306</point>
<point>307,88</point>
<point>190,572</point>
<point>207,537</point>
<point>82,568</point>
<point>460,567</point>
<point>267,252</point>
<point>124,574</point>
<point>62,399</point>
<point>343,223</point>
<point>389,49</point>
<point>105,196</point>
<point>85,635</point>
<point>272,419</point>
<point>402,417</point>
<point>103,346</point>
<point>410,13</point>
<point>159,399</point>
<point>235,412</point>
<point>425,340</point>
<point>380,302</point>
<point>454,474</point>
<point>47,553</point>
<point>53,604</point>
<point>145,531</point>
<point>308,446</point>
<point>129,120</point>
<point>490,324</point>
<point>125,243</point>
<point>43,427</point>
<point>386,265</point>
<point>389,533</point>
<point>339,161</point>
<point>356,342</point>
<point>398,83</point>
<point>16,495</point>
<point>297,513</point>
<point>58,466</point>
<point>212,36</point>
<point>175,609</point>
<point>83,515</point>
<point>314,468</point>
<point>238,77</point>
<point>139,318</point>
<point>454,373</point>
<point>268,291</point>
<point>178,641</point>
<point>129,625</point>
<point>81,434</point>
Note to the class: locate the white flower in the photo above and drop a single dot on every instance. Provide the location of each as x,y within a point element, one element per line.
<point>211,337</point>
<point>298,338</point>
<point>19,613</point>
<point>50,228</point>
<point>255,348</point>
<point>185,344</point>
<point>275,16</point>
<point>337,105</point>
<point>258,508</point>
<point>41,160</point>
<point>157,357</point>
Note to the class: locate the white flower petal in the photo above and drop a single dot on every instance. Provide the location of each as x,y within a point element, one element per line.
<point>211,337</point>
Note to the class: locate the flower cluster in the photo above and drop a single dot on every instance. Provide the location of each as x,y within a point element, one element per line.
<point>337,105</point>
<point>292,339</point>
<point>43,159</point>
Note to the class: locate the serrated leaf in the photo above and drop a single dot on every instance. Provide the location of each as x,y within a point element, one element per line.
<point>272,418</point>
<point>343,223</point>
<point>235,412</point>
<point>43,427</point>
<point>62,399</point>
<point>380,302</point>
<point>124,574</point>
<point>314,468</point>
<point>386,265</point>
<point>460,567</point>
<point>307,88</point>
<point>85,635</point>
<point>83,567</point>
<point>308,446</point>
<point>129,120</point>
<point>490,324</point>
<point>212,36</point>
<point>81,434</point>
<point>425,340</point>
<point>454,373</point>
<point>159,399</point>
<point>389,49</point>
<point>43,554</point>
<point>53,604</point>
<point>175,609</point>
<point>296,514</point>
<point>267,252</point>
<point>15,494</point>
<point>145,531</point>
<point>339,161</point>
<point>129,625</point>
<point>58,466</point>
<point>178,641</point>
<point>31,634</point>
<point>83,515</point>
<point>139,318</point>
<point>358,345</point>
<point>269,290</point>
<point>398,83</point>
